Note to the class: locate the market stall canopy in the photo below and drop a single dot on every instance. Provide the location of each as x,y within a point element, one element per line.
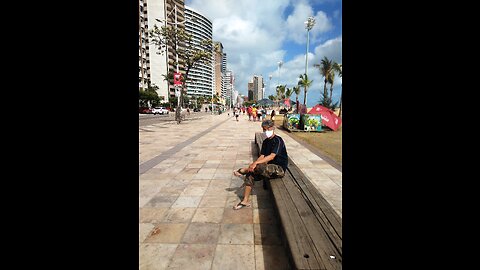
<point>264,102</point>
<point>329,118</point>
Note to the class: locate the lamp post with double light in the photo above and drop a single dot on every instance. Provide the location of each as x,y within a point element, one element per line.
<point>309,23</point>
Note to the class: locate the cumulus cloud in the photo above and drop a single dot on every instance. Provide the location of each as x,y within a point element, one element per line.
<point>255,33</point>
<point>295,23</point>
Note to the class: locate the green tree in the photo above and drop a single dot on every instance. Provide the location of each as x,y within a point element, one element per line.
<point>338,68</point>
<point>149,97</point>
<point>296,90</point>
<point>305,83</point>
<point>325,68</point>
<point>189,51</point>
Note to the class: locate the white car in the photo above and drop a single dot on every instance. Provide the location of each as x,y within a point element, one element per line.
<point>160,110</point>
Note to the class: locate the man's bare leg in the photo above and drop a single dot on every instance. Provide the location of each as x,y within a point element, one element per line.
<point>246,195</point>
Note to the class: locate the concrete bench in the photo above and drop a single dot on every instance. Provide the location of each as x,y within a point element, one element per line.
<point>311,229</point>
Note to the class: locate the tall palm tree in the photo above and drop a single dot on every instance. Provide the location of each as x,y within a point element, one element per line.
<point>296,90</point>
<point>338,68</point>
<point>280,92</point>
<point>331,80</point>
<point>288,94</point>
<point>305,83</point>
<point>325,68</point>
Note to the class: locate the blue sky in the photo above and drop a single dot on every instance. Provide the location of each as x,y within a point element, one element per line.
<point>256,35</point>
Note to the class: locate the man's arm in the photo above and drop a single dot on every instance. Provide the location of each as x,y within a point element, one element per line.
<point>261,159</point>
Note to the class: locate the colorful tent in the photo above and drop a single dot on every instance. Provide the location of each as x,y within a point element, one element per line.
<point>329,118</point>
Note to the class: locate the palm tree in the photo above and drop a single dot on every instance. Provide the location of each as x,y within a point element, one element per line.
<point>305,83</point>
<point>288,94</point>
<point>280,92</point>
<point>296,90</point>
<point>331,80</point>
<point>338,68</point>
<point>325,68</point>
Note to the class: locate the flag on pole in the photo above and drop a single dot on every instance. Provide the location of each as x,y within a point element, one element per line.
<point>177,78</point>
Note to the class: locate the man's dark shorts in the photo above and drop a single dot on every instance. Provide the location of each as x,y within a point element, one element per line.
<point>263,171</point>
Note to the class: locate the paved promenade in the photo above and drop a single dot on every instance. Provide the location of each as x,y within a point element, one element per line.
<point>187,191</point>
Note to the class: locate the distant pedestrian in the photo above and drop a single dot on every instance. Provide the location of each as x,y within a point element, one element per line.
<point>272,115</point>
<point>237,113</point>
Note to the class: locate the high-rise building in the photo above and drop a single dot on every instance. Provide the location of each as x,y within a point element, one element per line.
<point>143,55</point>
<point>218,69</point>
<point>257,87</point>
<point>201,75</point>
<point>158,61</point>
<point>228,83</point>
<point>250,90</point>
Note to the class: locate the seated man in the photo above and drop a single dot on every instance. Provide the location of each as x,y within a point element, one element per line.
<point>272,163</point>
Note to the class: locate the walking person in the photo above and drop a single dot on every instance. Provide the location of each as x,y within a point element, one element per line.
<point>272,163</point>
<point>237,113</point>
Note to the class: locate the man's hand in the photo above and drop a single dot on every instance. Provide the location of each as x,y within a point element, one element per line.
<point>252,167</point>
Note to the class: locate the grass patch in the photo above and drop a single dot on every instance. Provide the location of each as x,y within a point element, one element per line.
<point>328,142</point>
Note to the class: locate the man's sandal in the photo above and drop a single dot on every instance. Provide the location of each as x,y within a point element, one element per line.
<point>240,205</point>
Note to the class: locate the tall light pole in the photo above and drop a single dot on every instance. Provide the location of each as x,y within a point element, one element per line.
<point>308,25</point>
<point>280,64</point>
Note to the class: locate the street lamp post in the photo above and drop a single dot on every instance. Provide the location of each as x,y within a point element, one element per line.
<point>280,64</point>
<point>308,25</point>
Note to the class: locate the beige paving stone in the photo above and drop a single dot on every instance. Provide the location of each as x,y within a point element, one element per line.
<point>155,256</point>
<point>220,183</point>
<point>161,201</point>
<point>222,176</point>
<point>209,214</point>
<point>271,257</point>
<point>166,233</point>
<point>203,176</point>
<point>234,257</point>
<point>179,215</point>
<point>224,171</point>
<point>171,190</point>
<point>201,233</point>
<point>217,191</point>
<point>187,201</point>
<point>213,201</point>
<point>232,200</point>
<point>236,234</point>
<point>194,166</point>
<point>192,256</point>
<point>193,191</point>
<point>178,183</point>
<point>152,215</point>
<point>144,231</point>
<point>242,216</point>
<point>184,176</point>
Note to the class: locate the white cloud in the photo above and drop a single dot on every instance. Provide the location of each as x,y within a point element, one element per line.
<point>295,23</point>
<point>291,70</point>
<point>253,32</point>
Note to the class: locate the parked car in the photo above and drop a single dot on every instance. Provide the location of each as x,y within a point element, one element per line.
<point>144,110</point>
<point>159,110</point>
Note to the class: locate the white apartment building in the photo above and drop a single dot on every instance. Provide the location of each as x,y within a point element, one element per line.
<point>200,77</point>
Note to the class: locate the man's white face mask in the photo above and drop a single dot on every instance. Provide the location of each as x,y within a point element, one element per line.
<point>269,133</point>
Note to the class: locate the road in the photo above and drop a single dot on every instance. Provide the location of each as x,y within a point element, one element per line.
<point>149,119</point>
